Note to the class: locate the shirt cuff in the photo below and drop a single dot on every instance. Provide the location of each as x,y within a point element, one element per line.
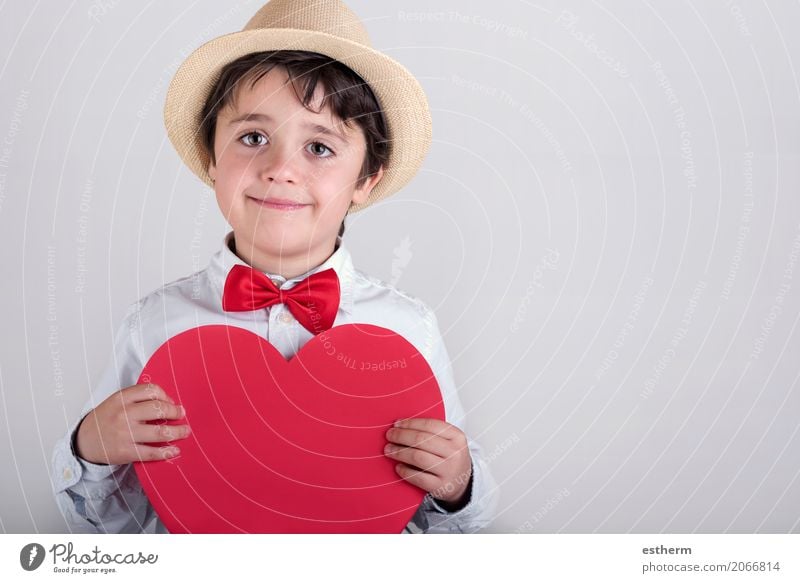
<point>73,472</point>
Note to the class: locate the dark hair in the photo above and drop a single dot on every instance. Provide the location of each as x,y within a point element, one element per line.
<point>348,95</point>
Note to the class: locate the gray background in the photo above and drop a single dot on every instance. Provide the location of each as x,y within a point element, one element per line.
<point>607,225</point>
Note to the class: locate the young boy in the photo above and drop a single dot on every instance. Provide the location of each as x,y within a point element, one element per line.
<point>294,122</point>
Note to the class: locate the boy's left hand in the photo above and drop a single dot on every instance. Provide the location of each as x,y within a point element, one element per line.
<point>434,456</point>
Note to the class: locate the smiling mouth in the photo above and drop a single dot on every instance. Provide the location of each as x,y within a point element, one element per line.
<point>278,204</point>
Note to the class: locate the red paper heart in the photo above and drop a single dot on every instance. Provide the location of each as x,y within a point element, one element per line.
<point>287,446</point>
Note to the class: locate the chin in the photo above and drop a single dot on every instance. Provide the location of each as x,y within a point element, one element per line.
<point>288,243</point>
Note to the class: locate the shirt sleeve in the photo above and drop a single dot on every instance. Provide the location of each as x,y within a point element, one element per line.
<point>97,498</point>
<point>481,506</point>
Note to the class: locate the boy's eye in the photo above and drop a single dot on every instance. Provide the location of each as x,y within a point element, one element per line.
<point>318,149</point>
<point>248,139</point>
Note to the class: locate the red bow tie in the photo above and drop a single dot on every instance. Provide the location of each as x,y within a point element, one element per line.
<point>313,301</point>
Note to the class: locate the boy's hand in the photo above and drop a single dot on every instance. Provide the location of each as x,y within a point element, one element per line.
<point>434,456</point>
<point>116,430</point>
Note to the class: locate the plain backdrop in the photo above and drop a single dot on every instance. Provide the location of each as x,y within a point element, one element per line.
<point>607,225</point>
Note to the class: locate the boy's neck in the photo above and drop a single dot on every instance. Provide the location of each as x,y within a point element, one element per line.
<point>286,267</point>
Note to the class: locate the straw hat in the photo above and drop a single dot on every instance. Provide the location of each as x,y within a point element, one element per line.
<point>321,26</point>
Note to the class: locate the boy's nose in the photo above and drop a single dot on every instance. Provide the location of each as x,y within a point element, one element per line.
<point>280,164</point>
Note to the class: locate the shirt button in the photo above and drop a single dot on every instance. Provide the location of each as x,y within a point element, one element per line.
<point>67,474</point>
<point>286,317</point>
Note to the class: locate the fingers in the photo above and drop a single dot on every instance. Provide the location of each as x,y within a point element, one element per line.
<point>112,433</point>
<point>148,453</point>
<point>436,456</point>
<point>424,480</point>
<point>145,392</point>
<point>152,410</point>
<point>145,432</point>
<point>122,448</point>
<point>435,426</point>
<point>139,413</point>
<point>154,433</point>
<point>434,444</point>
<point>417,458</point>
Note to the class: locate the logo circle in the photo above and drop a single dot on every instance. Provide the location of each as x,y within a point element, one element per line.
<point>31,556</point>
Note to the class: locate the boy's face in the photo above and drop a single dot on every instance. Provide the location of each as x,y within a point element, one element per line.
<point>285,176</point>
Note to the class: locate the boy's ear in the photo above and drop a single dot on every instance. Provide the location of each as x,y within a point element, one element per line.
<point>212,170</point>
<point>361,194</point>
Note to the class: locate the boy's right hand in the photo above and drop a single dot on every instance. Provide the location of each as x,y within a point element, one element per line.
<point>116,431</point>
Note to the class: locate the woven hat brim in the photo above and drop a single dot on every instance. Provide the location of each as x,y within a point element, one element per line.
<point>402,99</point>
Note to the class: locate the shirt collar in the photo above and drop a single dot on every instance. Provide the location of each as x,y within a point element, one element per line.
<point>340,261</point>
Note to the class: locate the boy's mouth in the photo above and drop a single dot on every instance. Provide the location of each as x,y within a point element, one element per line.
<point>281,204</point>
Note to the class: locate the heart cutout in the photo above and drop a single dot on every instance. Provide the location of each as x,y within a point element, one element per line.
<point>291,446</point>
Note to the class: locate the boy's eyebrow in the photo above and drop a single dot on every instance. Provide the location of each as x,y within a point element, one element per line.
<point>309,125</point>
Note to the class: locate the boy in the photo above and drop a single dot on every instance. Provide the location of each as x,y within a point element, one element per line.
<point>291,139</point>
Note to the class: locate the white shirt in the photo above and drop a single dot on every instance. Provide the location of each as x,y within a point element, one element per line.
<point>109,498</point>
